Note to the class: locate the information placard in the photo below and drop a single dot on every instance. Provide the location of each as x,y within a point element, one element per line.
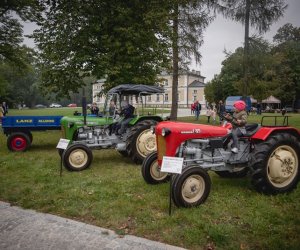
<point>172,165</point>
<point>63,144</point>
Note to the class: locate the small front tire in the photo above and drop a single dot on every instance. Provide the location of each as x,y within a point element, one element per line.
<point>191,188</point>
<point>151,170</point>
<point>77,157</point>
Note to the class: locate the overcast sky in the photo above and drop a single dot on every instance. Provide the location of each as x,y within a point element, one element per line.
<point>220,35</point>
<point>224,34</point>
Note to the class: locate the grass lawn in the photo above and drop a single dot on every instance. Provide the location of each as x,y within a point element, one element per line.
<point>112,194</point>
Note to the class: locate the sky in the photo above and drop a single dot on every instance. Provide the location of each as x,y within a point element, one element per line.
<point>225,34</point>
<point>220,35</point>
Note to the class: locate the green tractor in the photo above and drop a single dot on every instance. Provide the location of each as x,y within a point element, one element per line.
<point>95,132</point>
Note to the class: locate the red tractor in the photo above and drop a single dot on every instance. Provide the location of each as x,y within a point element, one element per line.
<point>271,154</point>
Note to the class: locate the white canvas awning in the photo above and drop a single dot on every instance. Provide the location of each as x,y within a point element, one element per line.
<point>271,99</point>
<point>253,100</point>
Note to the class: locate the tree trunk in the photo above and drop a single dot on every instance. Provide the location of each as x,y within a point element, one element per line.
<point>175,55</point>
<point>246,49</point>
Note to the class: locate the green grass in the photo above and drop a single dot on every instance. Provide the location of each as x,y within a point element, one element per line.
<point>113,194</point>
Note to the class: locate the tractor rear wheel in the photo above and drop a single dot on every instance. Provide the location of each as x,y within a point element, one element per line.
<point>77,157</point>
<point>141,142</point>
<point>151,170</point>
<point>18,141</point>
<point>191,188</point>
<point>275,164</point>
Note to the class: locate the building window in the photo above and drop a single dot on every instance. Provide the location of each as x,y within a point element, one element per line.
<point>195,98</point>
<point>195,91</point>
<point>149,98</point>
<point>166,83</point>
<point>166,97</point>
<point>157,97</point>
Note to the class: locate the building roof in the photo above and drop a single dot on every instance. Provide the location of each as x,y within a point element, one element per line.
<point>196,84</point>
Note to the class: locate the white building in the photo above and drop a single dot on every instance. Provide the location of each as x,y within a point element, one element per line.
<point>190,89</point>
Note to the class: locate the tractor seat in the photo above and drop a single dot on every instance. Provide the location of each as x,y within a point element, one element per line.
<point>251,128</point>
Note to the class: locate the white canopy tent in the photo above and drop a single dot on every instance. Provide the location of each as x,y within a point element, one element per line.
<point>273,101</point>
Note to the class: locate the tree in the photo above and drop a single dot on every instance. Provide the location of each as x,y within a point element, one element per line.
<point>188,18</point>
<point>286,57</point>
<point>256,13</point>
<point>118,40</point>
<point>261,74</point>
<point>11,30</point>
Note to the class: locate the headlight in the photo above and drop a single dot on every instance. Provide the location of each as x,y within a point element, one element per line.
<point>165,131</point>
<point>152,129</point>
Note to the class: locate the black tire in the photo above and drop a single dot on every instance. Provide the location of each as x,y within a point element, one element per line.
<point>191,188</point>
<point>18,141</point>
<point>242,172</point>
<point>30,136</point>
<point>77,157</point>
<point>275,164</point>
<point>141,142</point>
<point>151,171</point>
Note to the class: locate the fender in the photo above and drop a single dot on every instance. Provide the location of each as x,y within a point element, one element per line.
<point>264,132</point>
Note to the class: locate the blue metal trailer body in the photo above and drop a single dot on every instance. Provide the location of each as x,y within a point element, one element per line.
<point>18,129</point>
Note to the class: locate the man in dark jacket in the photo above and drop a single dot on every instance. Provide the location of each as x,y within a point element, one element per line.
<point>127,112</point>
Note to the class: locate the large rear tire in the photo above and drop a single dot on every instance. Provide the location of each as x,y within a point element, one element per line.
<point>77,157</point>
<point>275,164</point>
<point>141,142</point>
<point>18,141</point>
<point>191,188</point>
<point>151,170</point>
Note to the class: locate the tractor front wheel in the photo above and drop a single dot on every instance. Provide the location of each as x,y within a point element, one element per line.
<point>191,188</point>
<point>77,157</point>
<point>141,142</point>
<point>18,141</point>
<point>151,170</point>
<point>275,164</point>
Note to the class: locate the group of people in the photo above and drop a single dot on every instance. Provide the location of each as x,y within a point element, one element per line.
<point>3,109</point>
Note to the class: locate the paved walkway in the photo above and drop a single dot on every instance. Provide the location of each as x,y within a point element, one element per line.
<point>27,229</point>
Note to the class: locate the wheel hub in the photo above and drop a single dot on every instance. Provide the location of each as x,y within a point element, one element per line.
<point>78,158</point>
<point>193,188</point>
<point>146,143</point>
<point>282,165</point>
<point>156,173</point>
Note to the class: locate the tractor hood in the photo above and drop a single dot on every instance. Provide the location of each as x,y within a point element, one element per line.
<point>190,130</point>
<point>70,124</point>
<point>170,135</point>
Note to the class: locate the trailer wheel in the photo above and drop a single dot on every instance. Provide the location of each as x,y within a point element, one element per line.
<point>275,164</point>
<point>191,188</point>
<point>141,142</point>
<point>151,171</point>
<point>18,142</point>
<point>77,157</point>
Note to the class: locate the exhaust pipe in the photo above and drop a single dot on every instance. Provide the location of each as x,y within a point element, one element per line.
<point>84,106</point>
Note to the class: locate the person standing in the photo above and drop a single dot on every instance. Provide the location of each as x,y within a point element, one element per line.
<point>197,110</point>
<point>221,110</point>
<point>4,108</point>
<point>208,113</point>
<point>95,109</point>
<point>213,114</point>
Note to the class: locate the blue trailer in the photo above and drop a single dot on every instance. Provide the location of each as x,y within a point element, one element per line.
<point>18,129</point>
